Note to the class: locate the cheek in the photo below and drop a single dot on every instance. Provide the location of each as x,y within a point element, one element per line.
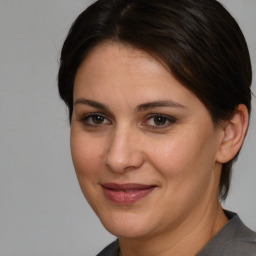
<point>87,155</point>
<point>186,167</point>
<point>89,165</point>
<point>172,154</point>
<point>184,158</point>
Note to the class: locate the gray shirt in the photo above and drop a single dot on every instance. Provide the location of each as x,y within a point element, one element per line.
<point>234,239</point>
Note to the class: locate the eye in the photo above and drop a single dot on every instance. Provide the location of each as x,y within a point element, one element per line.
<point>95,120</point>
<point>158,121</point>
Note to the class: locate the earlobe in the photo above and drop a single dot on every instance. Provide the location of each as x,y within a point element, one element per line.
<point>234,131</point>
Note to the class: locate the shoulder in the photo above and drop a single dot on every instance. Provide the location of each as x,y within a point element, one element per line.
<point>242,241</point>
<point>111,250</point>
<point>233,239</point>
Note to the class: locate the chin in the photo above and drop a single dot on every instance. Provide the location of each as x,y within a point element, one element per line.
<point>127,226</point>
<point>127,232</point>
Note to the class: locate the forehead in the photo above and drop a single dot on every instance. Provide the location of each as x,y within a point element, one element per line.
<point>121,54</point>
<point>116,72</point>
<point>115,61</point>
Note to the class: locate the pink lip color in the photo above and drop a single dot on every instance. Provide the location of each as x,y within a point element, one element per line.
<point>126,193</point>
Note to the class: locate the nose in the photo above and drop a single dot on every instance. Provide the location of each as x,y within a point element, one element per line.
<point>124,152</point>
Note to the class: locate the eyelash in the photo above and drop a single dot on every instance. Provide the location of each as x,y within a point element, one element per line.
<point>86,122</point>
<point>167,119</point>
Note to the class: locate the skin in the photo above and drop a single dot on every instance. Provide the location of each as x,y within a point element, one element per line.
<point>179,153</point>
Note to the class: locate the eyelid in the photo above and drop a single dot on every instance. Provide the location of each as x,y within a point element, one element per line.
<point>84,119</point>
<point>171,120</point>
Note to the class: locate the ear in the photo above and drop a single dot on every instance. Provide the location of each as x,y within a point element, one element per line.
<point>234,131</point>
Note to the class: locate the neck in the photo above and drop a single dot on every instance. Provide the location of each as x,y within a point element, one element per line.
<point>186,240</point>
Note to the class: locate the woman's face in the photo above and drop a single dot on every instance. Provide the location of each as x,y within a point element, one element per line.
<point>143,146</point>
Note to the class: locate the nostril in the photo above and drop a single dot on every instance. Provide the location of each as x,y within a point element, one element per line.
<point>128,162</point>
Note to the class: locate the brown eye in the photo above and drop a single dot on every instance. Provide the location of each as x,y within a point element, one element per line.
<point>97,119</point>
<point>160,120</point>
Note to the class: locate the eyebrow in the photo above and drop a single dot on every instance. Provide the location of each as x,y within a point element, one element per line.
<point>155,104</point>
<point>91,103</point>
<point>139,108</point>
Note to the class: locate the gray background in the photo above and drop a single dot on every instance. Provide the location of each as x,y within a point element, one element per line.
<point>42,211</point>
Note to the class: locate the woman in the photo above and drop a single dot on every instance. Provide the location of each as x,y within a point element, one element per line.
<point>159,100</point>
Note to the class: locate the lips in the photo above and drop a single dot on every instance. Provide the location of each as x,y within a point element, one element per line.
<point>126,193</point>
